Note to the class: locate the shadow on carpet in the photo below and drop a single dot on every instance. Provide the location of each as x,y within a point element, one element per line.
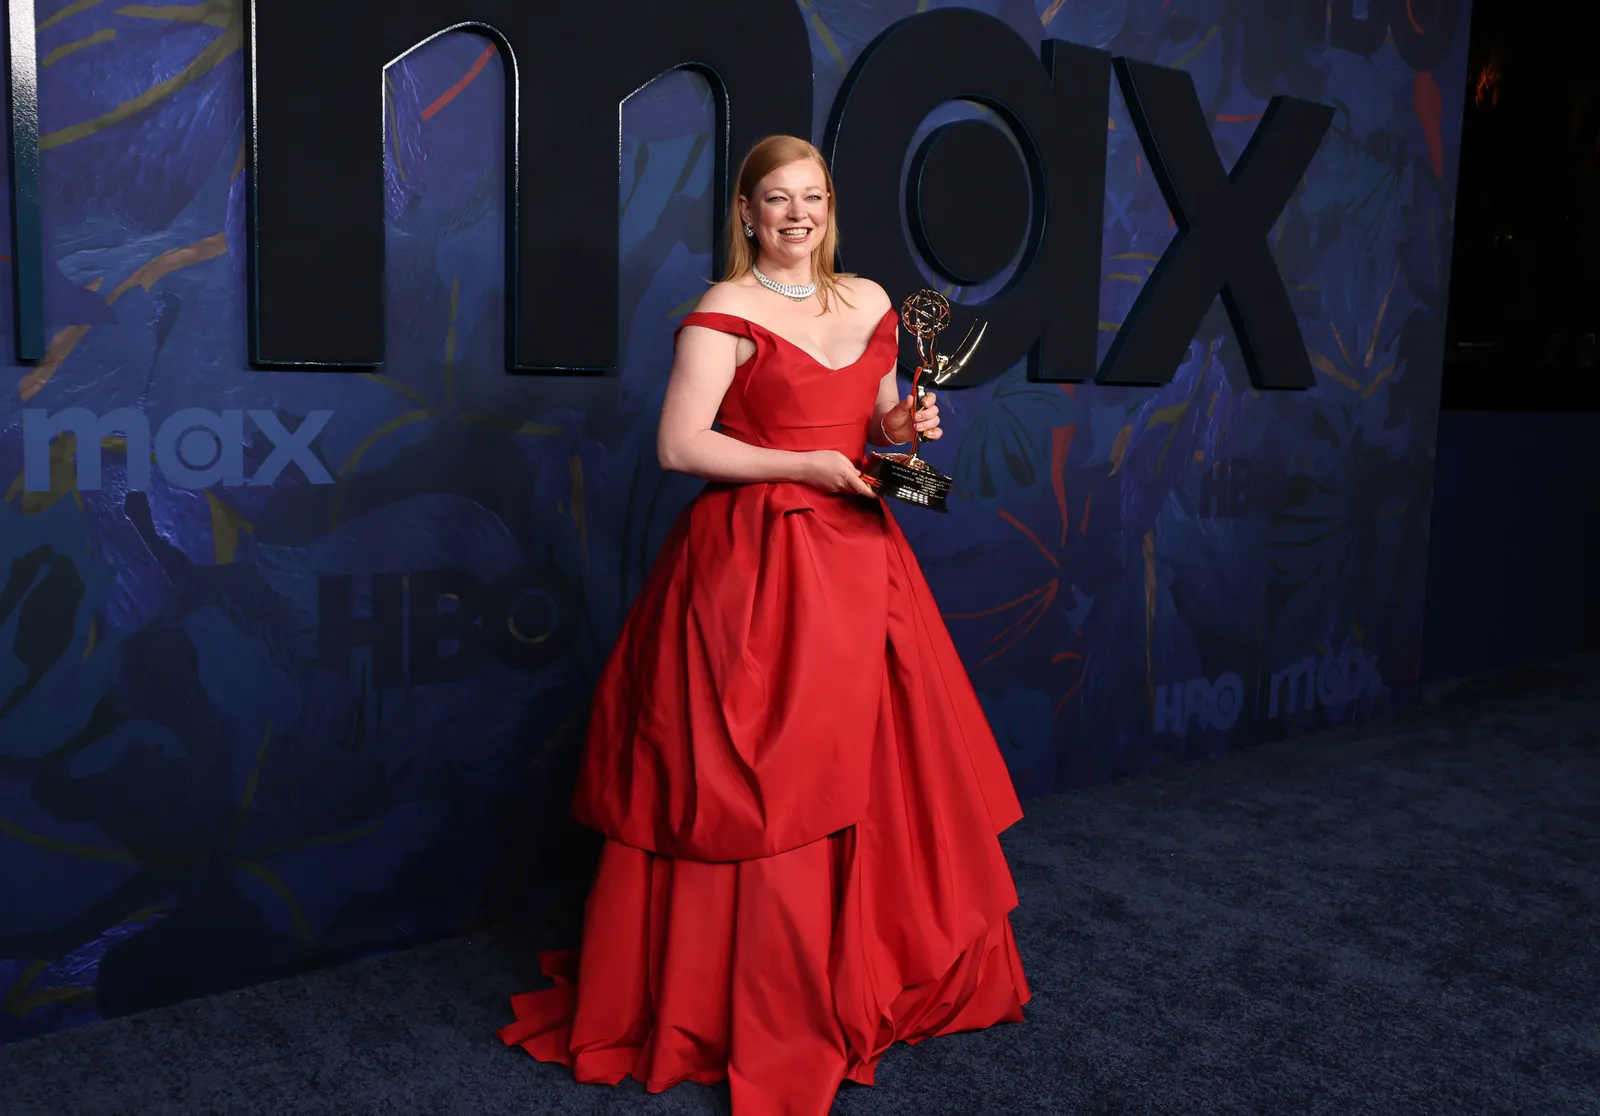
<point>1399,920</point>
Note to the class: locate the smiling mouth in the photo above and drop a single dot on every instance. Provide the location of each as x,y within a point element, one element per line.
<point>794,233</point>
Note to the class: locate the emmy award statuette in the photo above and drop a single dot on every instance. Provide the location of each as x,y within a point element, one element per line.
<point>905,476</point>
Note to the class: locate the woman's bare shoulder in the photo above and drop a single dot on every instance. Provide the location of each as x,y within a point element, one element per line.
<point>865,295</point>
<point>725,298</point>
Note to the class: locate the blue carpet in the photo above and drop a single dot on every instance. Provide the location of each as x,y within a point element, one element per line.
<point>1399,920</point>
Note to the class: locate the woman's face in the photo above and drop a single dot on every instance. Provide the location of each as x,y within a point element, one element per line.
<point>789,212</point>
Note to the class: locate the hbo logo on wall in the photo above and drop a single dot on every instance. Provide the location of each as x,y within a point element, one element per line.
<point>1203,702</point>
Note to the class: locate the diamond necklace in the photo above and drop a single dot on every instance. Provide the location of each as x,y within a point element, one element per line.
<point>797,291</point>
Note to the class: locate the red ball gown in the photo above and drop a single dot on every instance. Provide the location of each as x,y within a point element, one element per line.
<point>800,794</point>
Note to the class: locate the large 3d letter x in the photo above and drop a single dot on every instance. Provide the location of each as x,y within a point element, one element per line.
<point>1221,245</point>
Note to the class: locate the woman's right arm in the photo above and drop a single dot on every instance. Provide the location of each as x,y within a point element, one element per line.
<point>702,372</point>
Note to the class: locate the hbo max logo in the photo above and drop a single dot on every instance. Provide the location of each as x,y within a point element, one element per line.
<point>1208,704</point>
<point>193,448</point>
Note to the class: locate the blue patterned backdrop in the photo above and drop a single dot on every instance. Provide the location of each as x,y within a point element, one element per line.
<point>223,760</point>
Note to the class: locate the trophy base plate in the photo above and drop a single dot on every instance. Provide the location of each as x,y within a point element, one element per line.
<point>909,479</point>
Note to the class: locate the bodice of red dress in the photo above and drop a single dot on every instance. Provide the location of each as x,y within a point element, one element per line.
<point>736,716</point>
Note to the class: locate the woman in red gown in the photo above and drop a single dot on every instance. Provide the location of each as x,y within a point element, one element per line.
<point>800,794</point>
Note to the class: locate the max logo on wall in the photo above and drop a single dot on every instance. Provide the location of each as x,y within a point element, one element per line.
<point>1329,682</point>
<point>972,200</point>
<point>193,448</point>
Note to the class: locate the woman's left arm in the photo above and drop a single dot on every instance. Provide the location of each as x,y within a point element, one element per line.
<point>893,418</point>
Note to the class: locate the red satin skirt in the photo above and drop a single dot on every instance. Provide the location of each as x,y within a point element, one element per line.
<point>787,974</point>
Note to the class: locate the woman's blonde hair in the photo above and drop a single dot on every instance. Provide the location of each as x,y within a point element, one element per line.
<point>764,158</point>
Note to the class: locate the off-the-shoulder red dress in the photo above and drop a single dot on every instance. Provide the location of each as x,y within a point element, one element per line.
<point>799,790</point>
